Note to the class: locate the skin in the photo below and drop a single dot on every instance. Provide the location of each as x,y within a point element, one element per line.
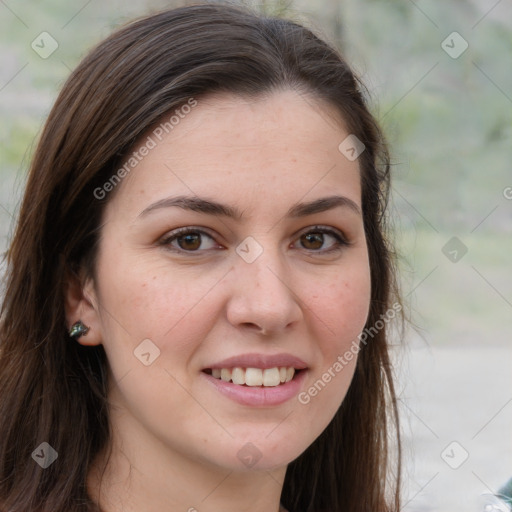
<point>179,434</point>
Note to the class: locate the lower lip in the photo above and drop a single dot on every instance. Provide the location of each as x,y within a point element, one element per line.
<point>258,396</point>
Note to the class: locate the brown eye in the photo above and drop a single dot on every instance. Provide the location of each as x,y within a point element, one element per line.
<point>312,240</point>
<point>322,240</point>
<point>189,240</point>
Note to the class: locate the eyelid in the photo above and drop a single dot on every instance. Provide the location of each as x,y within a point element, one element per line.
<point>342,240</point>
<point>338,235</point>
<point>329,230</point>
<point>176,233</point>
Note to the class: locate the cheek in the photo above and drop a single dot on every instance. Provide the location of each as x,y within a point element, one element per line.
<point>341,308</point>
<point>339,312</point>
<point>147,300</point>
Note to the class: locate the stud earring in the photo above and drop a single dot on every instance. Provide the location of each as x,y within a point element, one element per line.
<point>78,329</point>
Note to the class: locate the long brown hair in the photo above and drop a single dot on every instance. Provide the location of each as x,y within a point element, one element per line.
<point>55,390</point>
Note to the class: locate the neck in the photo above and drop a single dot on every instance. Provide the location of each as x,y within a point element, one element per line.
<point>149,477</point>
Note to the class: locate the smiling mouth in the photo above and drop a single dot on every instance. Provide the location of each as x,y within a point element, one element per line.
<point>255,377</point>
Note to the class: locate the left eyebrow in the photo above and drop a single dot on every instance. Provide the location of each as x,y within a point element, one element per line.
<point>210,207</point>
<point>322,205</point>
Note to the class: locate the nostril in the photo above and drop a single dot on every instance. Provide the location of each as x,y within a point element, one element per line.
<point>251,325</point>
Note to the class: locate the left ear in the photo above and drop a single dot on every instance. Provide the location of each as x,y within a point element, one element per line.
<point>81,304</point>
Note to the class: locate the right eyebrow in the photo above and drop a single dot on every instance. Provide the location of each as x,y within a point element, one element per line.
<point>196,204</point>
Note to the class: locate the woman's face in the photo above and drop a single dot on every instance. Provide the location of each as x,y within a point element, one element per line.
<point>236,242</point>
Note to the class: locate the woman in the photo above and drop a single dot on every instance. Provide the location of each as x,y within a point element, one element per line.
<point>200,284</point>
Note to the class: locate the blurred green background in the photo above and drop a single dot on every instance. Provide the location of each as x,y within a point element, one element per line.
<point>449,122</point>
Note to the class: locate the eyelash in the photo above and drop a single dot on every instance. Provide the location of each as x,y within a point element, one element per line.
<point>340,241</point>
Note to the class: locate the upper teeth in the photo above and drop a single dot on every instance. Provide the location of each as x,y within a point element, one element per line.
<point>255,376</point>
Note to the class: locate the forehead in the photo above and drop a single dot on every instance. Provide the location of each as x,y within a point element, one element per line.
<point>278,147</point>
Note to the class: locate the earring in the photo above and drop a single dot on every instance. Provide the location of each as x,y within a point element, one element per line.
<point>78,329</point>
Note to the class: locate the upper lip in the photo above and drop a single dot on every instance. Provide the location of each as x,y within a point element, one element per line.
<point>260,361</point>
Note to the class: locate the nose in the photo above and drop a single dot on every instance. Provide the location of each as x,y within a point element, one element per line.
<point>263,297</point>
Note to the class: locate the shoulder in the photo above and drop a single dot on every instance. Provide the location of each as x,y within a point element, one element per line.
<point>505,493</point>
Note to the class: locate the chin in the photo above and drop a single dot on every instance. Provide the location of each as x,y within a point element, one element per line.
<point>264,452</point>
